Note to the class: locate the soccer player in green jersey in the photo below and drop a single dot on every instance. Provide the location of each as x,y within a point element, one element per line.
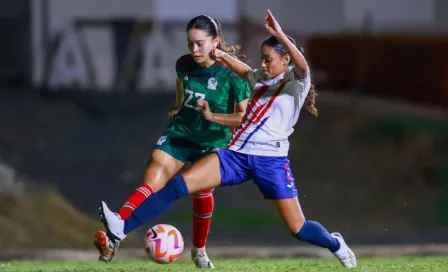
<point>189,135</point>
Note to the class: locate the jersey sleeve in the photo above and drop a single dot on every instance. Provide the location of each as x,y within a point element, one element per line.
<point>252,77</point>
<point>179,69</point>
<point>240,89</point>
<point>182,66</point>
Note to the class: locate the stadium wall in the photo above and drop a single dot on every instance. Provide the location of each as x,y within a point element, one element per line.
<point>105,48</point>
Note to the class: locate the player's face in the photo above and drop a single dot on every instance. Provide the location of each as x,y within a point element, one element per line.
<point>200,43</point>
<point>272,63</point>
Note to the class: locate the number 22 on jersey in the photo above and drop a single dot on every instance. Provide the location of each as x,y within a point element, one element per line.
<point>190,102</point>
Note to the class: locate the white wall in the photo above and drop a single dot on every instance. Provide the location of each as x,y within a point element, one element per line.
<point>333,16</point>
<point>223,10</point>
<point>441,14</point>
<point>303,17</point>
<point>390,14</point>
<point>62,14</point>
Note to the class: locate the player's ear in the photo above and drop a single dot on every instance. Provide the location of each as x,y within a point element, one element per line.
<point>216,41</point>
<point>286,60</point>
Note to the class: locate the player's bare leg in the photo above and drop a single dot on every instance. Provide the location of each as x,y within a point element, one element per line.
<point>313,232</point>
<point>159,169</point>
<point>205,174</point>
<point>291,213</point>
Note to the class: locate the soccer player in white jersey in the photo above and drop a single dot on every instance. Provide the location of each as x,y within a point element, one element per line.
<point>258,149</point>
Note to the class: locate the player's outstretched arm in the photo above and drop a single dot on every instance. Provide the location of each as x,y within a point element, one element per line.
<point>230,120</point>
<point>274,28</point>
<point>238,67</point>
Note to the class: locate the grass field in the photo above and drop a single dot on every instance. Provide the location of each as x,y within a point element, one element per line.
<point>395,264</point>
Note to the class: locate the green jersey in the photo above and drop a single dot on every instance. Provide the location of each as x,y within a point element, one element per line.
<point>220,87</point>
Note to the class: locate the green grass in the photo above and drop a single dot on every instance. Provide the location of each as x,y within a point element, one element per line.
<point>395,264</point>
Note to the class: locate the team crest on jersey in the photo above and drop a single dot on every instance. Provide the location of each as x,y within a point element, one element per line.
<point>212,83</point>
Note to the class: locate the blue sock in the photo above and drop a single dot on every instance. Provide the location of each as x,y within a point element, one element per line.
<point>156,204</point>
<point>315,234</point>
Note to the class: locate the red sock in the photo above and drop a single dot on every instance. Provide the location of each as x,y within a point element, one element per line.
<point>137,198</point>
<point>203,203</point>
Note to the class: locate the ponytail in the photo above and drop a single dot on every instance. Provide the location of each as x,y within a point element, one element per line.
<point>231,49</point>
<point>311,101</point>
<point>312,94</point>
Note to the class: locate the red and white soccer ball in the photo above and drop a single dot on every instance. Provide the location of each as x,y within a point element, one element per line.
<point>164,244</point>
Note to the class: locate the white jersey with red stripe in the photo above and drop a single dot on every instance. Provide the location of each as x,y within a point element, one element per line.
<point>272,112</point>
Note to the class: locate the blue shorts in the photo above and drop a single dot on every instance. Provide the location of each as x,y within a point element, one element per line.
<point>272,175</point>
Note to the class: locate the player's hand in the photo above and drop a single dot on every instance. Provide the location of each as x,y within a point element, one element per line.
<point>204,108</point>
<point>272,26</point>
<point>172,112</point>
<point>217,54</point>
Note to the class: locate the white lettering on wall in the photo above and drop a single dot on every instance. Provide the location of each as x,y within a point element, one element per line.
<point>68,67</point>
<point>161,48</point>
<point>86,58</point>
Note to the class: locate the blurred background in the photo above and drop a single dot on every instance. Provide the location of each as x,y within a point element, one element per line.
<point>85,86</point>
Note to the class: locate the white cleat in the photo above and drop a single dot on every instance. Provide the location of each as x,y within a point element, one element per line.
<point>345,255</point>
<point>200,258</point>
<point>113,223</point>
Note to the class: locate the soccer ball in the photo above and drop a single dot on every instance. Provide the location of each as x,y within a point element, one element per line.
<point>164,244</point>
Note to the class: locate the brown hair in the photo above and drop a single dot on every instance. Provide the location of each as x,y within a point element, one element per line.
<point>312,94</point>
<point>213,28</point>
<point>281,50</point>
<point>311,101</point>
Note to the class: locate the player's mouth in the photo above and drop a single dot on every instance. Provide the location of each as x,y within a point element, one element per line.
<point>196,57</point>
